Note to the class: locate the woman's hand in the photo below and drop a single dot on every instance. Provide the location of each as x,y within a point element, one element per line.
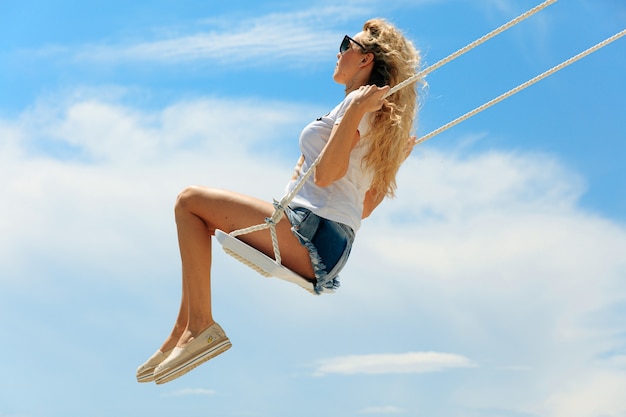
<point>370,97</point>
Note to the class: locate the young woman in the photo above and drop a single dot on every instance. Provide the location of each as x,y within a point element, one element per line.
<point>363,142</point>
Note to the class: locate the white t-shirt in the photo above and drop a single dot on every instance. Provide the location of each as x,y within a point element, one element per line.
<point>342,201</point>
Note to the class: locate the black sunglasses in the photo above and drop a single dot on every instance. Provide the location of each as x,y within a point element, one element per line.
<point>345,44</point>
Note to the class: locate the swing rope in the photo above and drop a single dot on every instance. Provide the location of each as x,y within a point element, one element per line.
<point>469,47</point>
<point>521,87</point>
<point>279,206</point>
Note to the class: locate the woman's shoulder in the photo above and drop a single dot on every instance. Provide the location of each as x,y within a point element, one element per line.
<point>350,96</point>
<point>340,108</point>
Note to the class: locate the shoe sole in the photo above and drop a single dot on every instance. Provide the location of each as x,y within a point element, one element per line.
<point>193,363</point>
<point>147,376</point>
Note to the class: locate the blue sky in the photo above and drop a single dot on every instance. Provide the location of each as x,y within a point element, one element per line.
<point>493,285</point>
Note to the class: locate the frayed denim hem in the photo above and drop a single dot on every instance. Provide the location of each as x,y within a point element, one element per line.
<point>309,228</point>
<point>322,280</point>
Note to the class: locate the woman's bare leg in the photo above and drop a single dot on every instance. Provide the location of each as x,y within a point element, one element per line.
<point>179,326</point>
<point>199,211</point>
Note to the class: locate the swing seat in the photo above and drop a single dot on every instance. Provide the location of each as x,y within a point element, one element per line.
<point>260,262</point>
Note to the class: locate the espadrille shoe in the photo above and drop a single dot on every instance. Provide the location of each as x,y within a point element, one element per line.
<point>145,373</point>
<point>208,344</point>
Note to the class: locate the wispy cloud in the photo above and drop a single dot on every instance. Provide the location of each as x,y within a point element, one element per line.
<point>405,363</point>
<point>292,38</point>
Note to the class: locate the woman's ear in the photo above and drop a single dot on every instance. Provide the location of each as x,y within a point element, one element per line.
<point>367,59</point>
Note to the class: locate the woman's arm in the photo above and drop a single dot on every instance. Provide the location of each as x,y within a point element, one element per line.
<point>335,158</point>
<point>371,201</point>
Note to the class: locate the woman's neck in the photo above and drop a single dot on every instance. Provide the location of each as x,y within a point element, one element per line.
<point>356,82</point>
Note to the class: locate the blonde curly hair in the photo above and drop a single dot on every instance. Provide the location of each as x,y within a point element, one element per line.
<point>395,60</point>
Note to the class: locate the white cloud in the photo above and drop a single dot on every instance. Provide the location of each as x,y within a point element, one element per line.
<point>410,362</point>
<point>495,248</point>
<point>590,393</point>
<point>498,223</point>
<point>115,181</point>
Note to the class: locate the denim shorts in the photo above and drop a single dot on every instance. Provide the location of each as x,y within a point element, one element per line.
<point>328,242</point>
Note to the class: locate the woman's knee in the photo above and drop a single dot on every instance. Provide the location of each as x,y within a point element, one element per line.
<point>186,197</point>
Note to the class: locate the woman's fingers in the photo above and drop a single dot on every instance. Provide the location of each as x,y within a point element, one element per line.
<point>371,97</point>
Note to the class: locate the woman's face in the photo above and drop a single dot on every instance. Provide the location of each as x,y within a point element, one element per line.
<point>348,62</point>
